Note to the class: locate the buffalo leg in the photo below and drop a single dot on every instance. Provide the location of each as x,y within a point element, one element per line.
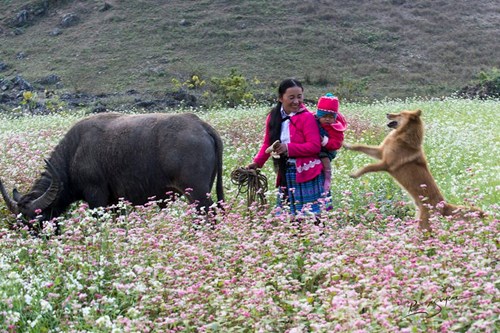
<point>201,198</point>
<point>95,196</point>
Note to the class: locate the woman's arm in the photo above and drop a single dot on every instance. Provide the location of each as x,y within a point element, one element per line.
<point>261,157</point>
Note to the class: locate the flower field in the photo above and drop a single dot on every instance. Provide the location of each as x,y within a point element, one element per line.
<point>366,269</point>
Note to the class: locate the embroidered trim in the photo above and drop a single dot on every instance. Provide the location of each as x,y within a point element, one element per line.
<point>307,166</point>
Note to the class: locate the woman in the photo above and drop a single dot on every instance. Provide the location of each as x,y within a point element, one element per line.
<point>299,169</point>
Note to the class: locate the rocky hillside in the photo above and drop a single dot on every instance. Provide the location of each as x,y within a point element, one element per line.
<point>130,51</point>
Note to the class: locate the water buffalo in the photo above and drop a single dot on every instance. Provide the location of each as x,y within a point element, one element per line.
<point>110,156</point>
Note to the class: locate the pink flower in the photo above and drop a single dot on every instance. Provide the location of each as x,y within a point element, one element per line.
<point>481,273</point>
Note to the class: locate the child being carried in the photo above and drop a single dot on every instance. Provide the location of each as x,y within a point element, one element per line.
<point>332,125</point>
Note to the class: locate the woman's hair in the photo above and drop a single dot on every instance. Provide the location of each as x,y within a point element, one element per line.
<point>275,121</point>
<point>275,124</point>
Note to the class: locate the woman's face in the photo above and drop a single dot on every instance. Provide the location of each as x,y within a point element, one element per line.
<point>292,99</point>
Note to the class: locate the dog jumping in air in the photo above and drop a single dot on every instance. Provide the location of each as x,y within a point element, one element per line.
<point>402,156</point>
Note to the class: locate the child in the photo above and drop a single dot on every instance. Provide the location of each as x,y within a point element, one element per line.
<point>332,125</point>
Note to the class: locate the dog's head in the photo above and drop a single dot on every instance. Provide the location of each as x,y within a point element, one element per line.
<point>400,119</point>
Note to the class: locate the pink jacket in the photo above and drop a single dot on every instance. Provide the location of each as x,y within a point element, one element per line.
<point>304,146</point>
<point>335,133</point>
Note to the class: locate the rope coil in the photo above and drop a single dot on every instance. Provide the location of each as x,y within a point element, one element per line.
<point>252,182</point>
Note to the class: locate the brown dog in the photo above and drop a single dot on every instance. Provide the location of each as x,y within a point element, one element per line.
<point>402,156</point>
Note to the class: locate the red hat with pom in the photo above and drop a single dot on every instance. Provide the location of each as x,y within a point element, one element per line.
<point>327,104</point>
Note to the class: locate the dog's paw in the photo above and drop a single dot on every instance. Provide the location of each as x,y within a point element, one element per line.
<point>354,175</point>
<point>347,145</point>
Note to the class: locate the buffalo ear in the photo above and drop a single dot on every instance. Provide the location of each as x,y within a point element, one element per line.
<point>16,195</point>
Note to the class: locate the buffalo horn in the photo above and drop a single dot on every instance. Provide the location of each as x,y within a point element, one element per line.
<point>51,194</point>
<point>11,204</point>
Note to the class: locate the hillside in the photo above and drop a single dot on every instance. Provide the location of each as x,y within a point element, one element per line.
<point>359,49</point>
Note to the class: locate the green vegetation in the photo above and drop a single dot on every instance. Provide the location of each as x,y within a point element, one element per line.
<point>369,268</point>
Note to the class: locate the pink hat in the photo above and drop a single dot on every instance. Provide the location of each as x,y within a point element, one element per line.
<point>328,103</point>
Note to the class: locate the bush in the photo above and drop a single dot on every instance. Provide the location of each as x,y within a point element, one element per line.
<point>232,90</point>
<point>486,85</point>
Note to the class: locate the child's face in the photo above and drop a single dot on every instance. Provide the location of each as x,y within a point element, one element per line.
<point>327,119</point>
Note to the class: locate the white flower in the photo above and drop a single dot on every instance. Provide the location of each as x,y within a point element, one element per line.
<point>27,299</point>
<point>298,329</point>
<point>45,306</point>
<point>86,311</point>
<point>104,321</point>
<point>108,300</point>
<point>35,322</point>
<point>133,312</point>
<point>141,287</point>
<point>13,317</point>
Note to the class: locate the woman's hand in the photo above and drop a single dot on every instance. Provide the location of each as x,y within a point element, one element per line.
<point>252,165</point>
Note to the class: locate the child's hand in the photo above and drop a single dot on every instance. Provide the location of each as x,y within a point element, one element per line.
<point>273,149</point>
<point>281,149</point>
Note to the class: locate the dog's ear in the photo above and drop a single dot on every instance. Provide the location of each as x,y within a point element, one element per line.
<point>418,112</point>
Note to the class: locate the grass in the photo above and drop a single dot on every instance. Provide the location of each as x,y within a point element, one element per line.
<point>361,50</point>
<point>367,270</point>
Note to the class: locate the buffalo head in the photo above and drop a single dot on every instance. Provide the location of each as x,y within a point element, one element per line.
<point>35,204</point>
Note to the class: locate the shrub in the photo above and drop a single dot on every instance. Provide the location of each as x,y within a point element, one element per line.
<point>232,90</point>
<point>486,85</point>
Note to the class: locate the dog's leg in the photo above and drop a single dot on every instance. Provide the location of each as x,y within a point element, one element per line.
<point>423,218</point>
<point>375,167</point>
<point>460,211</point>
<point>449,209</point>
<point>373,151</point>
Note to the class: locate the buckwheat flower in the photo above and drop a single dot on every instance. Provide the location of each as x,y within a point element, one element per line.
<point>12,317</point>
<point>298,329</point>
<point>108,300</point>
<point>46,307</point>
<point>13,276</point>
<point>133,312</point>
<point>141,287</point>
<point>490,288</point>
<point>389,270</point>
<point>28,299</point>
<point>104,321</point>
<point>34,322</point>
<point>53,295</point>
<point>481,273</point>
<point>86,311</point>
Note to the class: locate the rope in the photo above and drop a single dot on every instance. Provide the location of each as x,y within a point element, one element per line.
<point>251,182</point>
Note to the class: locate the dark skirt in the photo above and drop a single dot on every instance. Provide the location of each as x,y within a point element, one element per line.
<point>302,198</point>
